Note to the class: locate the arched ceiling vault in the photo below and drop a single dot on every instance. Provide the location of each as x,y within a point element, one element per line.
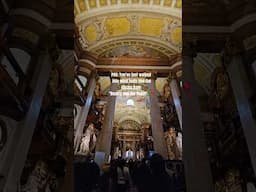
<point>137,112</point>
<point>114,28</point>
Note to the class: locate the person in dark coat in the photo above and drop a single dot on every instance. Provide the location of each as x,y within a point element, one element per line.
<point>161,181</point>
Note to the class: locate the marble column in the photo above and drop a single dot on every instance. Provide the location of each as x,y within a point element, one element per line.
<point>240,83</point>
<point>18,148</point>
<point>104,140</point>
<point>176,99</point>
<point>195,156</point>
<point>84,112</point>
<point>156,122</point>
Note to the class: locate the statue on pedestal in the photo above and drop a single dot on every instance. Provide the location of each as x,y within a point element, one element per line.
<point>129,154</point>
<point>88,137</point>
<point>141,153</point>
<point>173,150</point>
<point>116,153</point>
<point>179,144</point>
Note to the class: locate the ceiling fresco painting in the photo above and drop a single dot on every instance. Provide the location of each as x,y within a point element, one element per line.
<point>133,51</point>
<point>154,48</point>
<point>139,112</point>
<point>107,28</point>
<point>101,31</point>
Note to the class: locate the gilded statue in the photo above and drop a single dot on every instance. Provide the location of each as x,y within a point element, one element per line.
<point>222,85</point>
<point>167,95</point>
<point>97,91</point>
<point>173,149</point>
<point>179,144</point>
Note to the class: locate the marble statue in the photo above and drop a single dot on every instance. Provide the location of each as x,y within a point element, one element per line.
<point>179,144</point>
<point>116,152</point>
<point>129,154</point>
<point>85,144</point>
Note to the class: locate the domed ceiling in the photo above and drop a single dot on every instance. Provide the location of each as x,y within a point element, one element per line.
<point>138,112</point>
<point>129,28</point>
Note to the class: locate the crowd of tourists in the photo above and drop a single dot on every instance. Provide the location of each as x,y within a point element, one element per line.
<point>148,175</point>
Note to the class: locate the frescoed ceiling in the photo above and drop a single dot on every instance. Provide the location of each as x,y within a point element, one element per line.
<point>114,28</point>
<point>138,112</point>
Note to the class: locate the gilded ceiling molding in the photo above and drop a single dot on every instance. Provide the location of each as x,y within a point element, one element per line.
<point>139,67</point>
<point>110,29</point>
<point>174,12</point>
<point>152,40</point>
<point>123,117</point>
